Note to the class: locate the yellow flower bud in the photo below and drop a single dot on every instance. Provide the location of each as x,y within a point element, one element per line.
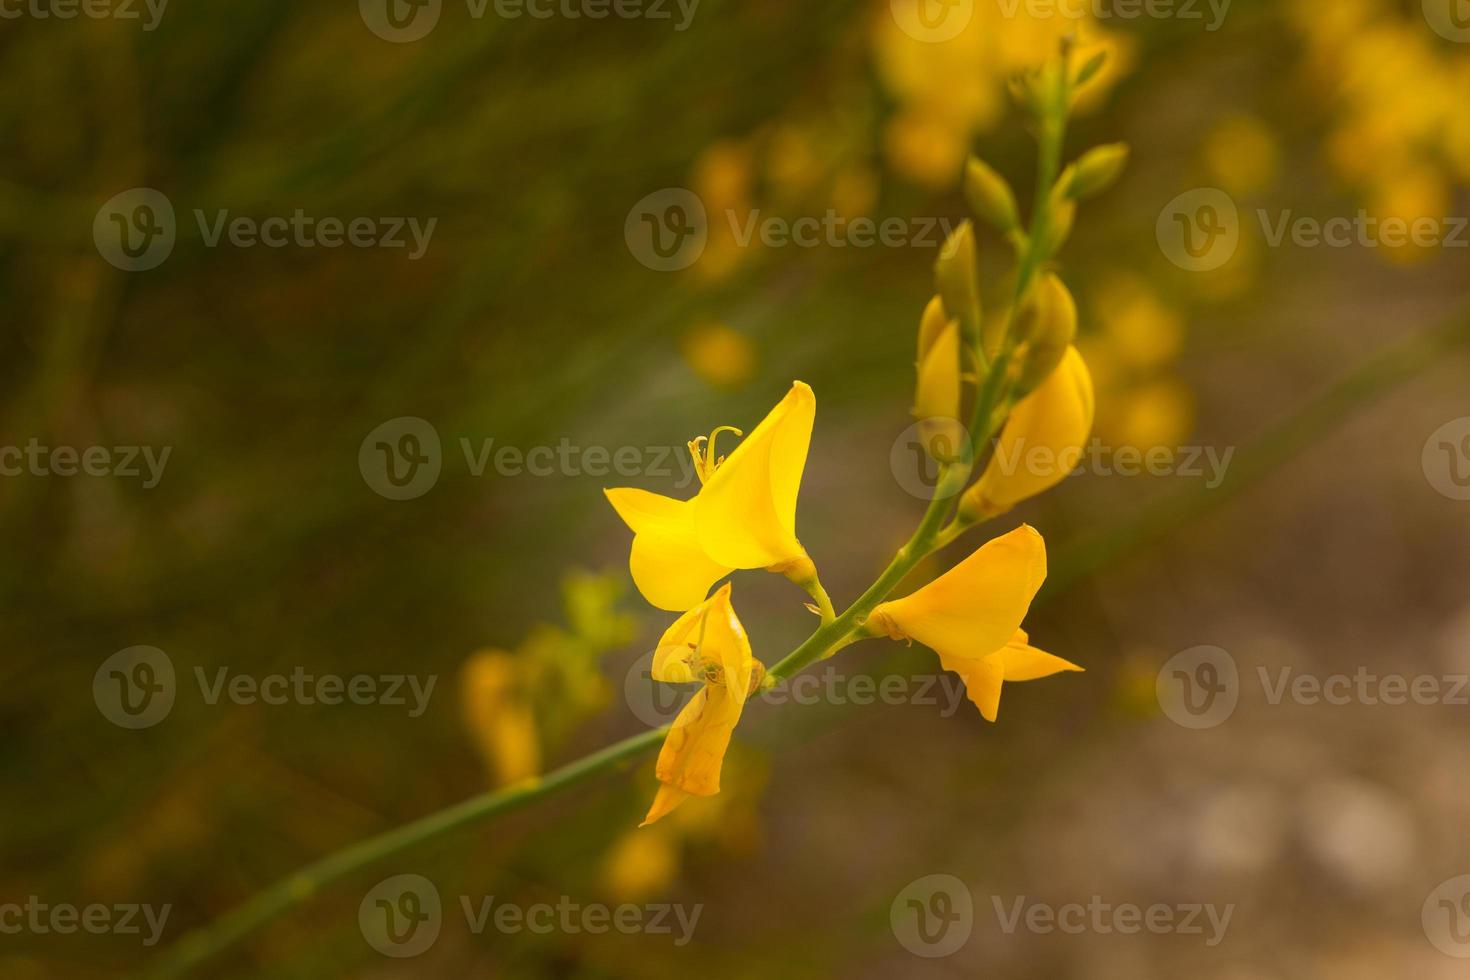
<point>1046,328</point>
<point>989,195</point>
<point>937,396</point>
<point>957,275</point>
<point>1096,169</point>
<point>1041,443</point>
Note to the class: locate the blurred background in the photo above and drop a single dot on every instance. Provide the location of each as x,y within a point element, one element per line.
<point>538,308</point>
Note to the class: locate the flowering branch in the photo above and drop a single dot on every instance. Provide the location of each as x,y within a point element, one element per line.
<point>744,518</point>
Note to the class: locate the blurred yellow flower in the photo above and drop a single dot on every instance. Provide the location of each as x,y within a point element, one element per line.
<point>722,356</point>
<point>1159,413</point>
<point>1137,327</point>
<point>721,178</point>
<point>792,162</point>
<point>971,616</point>
<point>854,192</point>
<point>1242,155</point>
<point>500,717</point>
<point>744,515</point>
<point>1417,195</point>
<point>708,644</point>
<point>641,865</point>
<point>927,148</point>
<point>949,91</point>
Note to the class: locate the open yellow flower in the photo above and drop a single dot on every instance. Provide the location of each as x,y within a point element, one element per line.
<point>744,515</point>
<point>706,644</point>
<point>1041,443</point>
<point>971,616</point>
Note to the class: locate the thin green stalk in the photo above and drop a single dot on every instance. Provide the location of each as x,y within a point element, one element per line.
<point>213,938</point>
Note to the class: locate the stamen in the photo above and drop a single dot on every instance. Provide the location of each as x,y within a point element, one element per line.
<point>703,451</point>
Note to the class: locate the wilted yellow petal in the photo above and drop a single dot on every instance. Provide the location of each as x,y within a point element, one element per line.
<point>710,634</point>
<point>974,609</point>
<point>1042,440</point>
<point>690,760</point>
<point>745,514</point>
<point>668,565</point>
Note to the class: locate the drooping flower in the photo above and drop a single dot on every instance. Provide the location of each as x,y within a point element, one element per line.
<point>971,616</point>
<point>707,644</point>
<point>744,515</point>
<point>1041,443</point>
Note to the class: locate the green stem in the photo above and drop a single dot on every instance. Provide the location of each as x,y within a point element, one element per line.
<point>213,938</point>
<point>822,599</point>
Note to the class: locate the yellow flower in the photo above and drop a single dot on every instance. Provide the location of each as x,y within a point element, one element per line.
<point>707,644</point>
<point>744,515</point>
<point>500,718</point>
<point>1041,443</point>
<point>971,616</point>
<point>640,865</point>
<point>722,356</point>
<point>937,396</point>
<point>1242,155</point>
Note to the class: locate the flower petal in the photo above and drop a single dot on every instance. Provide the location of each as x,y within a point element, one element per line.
<point>668,565</point>
<point>694,750</point>
<point>746,513</point>
<point>975,608</point>
<point>1024,662</point>
<point>710,633</point>
<point>1042,440</point>
<point>983,679</point>
<point>665,801</point>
